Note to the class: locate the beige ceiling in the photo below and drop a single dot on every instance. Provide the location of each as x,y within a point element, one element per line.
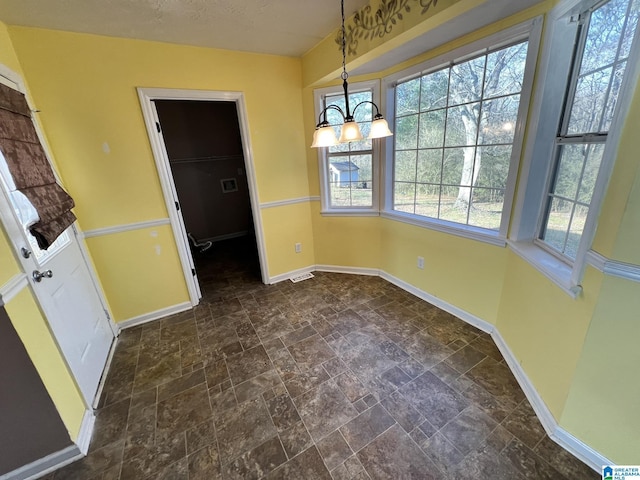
<point>280,27</point>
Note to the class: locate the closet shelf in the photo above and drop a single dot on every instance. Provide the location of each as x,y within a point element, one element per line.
<point>216,158</point>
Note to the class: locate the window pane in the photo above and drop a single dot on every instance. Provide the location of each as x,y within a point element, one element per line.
<point>450,208</point>
<point>429,166</point>
<point>572,159</point>
<point>557,224</point>
<point>340,194</point>
<point>432,129</point>
<point>486,208</point>
<point>361,194</point>
<point>616,82</point>
<point>350,180</point>
<point>404,195</point>
<point>493,166</point>
<point>452,165</point>
<point>505,71</point>
<point>605,32</point>
<point>498,122</point>
<point>632,22</point>
<point>466,81</point>
<point>591,169</point>
<point>434,90</point>
<point>589,101</point>
<point>575,231</point>
<point>405,166</point>
<point>427,200</point>
<point>462,125</point>
<point>408,97</point>
<point>406,134</point>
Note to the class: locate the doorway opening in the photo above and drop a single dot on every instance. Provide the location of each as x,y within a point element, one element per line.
<point>202,151</point>
<point>204,148</point>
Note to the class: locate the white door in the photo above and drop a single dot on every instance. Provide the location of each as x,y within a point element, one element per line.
<point>62,282</point>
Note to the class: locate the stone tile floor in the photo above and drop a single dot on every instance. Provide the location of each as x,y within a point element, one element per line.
<point>339,376</point>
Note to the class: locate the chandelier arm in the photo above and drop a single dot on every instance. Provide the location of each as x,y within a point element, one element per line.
<point>322,118</point>
<point>376,116</point>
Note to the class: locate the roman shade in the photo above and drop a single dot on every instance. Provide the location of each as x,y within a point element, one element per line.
<point>31,170</point>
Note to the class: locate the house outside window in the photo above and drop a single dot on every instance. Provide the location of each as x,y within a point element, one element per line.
<point>349,171</point>
<point>458,123</point>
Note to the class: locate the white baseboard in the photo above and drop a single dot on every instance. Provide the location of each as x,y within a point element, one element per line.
<point>86,431</point>
<point>441,304</point>
<point>294,273</point>
<point>155,315</point>
<point>579,449</point>
<point>44,465</point>
<point>352,270</point>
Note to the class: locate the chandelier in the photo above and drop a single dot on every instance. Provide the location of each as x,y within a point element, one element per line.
<point>325,135</point>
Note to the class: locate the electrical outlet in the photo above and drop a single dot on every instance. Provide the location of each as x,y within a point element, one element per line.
<point>298,247</point>
<point>420,264</point>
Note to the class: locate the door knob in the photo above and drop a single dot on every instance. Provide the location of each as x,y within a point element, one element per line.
<point>38,276</point>
<point>26,253</point>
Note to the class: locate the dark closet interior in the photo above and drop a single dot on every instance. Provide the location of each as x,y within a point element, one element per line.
<point>205,150</point>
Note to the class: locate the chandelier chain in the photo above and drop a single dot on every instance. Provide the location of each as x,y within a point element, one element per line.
<point>344,75</point>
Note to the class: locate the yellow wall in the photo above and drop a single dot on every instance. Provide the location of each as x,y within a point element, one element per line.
<point>347,241</point>
<point>602,408</point>
<point>545,328</point>
<point>85,86</point>
<point>462,272</point>
<point>290,224</point>
<point>113,256</point>
<point>27,318</point>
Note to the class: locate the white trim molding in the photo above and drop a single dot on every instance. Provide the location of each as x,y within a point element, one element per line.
<point>13,287</point>
<point>45,465</point>
<point>582,451</point>
<point>151,316</point>
<point>290,201</point>
<point>97,232</point>
<point>614,268</point>
<point>86,431</point>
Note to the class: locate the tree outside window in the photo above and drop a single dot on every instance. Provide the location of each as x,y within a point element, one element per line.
<point>454,138</point>
<point>604,42</point>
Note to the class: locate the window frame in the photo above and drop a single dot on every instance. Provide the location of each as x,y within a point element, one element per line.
<point>553,82</point>
<point>326,208</point>
<point>531,31</point>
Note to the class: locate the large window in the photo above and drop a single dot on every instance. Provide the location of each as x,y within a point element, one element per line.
<point>604,38</point>
<point>348,170</point>
<point>458,136</point>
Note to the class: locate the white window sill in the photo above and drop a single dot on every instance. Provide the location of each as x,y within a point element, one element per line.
<point>551,267</point>
<point>350,212</point>
<point>465,231</point>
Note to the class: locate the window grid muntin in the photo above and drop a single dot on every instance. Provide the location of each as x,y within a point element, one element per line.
<point>587,138</point>
<point>481,100</point>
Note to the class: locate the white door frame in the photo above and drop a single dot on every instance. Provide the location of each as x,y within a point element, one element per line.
<point>147,96</point>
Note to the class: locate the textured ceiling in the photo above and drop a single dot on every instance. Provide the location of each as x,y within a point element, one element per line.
<point>279,27</point>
